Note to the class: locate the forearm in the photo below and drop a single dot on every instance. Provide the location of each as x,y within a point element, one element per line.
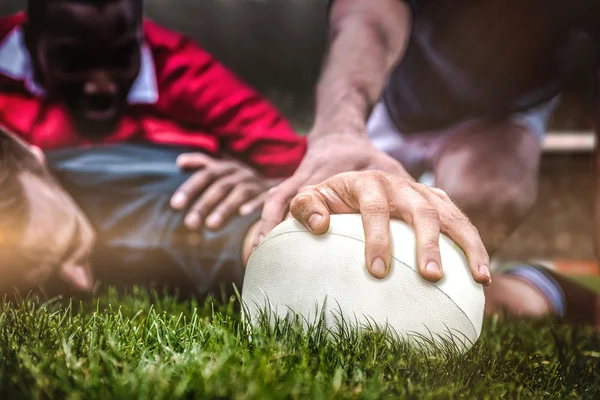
<point>597,183</point>
<point>367,39</point>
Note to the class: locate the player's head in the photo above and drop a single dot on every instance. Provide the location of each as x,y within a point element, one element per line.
<point>44,236</point>
<point>87,55</point>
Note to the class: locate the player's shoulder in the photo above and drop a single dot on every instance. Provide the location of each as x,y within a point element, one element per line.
<point>169,46</point>
<point>173,52</point>
<point>8,24</point>
<point>160,37</point>
<point>163,39</point>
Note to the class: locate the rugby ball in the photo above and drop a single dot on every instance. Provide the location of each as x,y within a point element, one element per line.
<point>293,272</point>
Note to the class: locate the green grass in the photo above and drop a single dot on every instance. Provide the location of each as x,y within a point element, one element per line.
<point>142,345</point>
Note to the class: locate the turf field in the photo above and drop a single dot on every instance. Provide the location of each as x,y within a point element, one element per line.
<point>142,345</point>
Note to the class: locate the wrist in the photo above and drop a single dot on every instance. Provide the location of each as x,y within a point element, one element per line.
<point>346,116</point>
<point>338,127</point>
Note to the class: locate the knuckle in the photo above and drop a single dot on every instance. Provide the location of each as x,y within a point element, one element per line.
<point>248,191</point>
<point>373,175</point>
<point>401,184</point>
<point>301,203</point>
<point>198,208</point>
<point>245,191</point>
<point>427,211</point>
<point>430,246</point>
<point>238,172</point>
<point>211,173</point>
<point>379,242</point>
<point>302,198</point>
<point>376,208</point>
<point>227,207</point>
<point>221,189</point>
<point>229,184</point>
<point>441,194</point>
<point>307,189</point>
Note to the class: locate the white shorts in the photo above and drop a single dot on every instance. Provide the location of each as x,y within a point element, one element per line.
<point>416,151</point>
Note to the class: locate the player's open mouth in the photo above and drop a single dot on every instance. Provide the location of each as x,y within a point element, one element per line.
<point>99,108</point>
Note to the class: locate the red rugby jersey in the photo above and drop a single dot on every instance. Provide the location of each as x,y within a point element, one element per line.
<point>182,96</point>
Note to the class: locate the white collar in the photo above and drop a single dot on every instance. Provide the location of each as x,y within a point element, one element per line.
<point>15,62</point>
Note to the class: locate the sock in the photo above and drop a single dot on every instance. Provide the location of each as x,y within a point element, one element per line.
<point>546,284</point>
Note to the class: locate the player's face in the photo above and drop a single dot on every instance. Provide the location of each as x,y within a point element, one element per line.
<point>46,238</point>
<point>89,57</point>
<point>58,239</point>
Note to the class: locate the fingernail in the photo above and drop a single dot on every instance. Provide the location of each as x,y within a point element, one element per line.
<point>314,221</point>
<point>260,238</point>
<point>432,266</point>
<point>484,270</point>
<point>192,221</point>
<point>178,200</point>
<point>213,220</point>
<point>378,267</point>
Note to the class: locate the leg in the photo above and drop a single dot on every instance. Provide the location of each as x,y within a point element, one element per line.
<point>125,190</point>
<point>490,170</point>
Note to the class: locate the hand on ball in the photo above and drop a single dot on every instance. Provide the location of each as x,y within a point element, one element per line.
<point>379,196</point>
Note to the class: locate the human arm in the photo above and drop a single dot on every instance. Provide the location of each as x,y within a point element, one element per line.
<point>367,38</point>
<point>255,146</point>
<point>204,94</point>
<point>597,170</point>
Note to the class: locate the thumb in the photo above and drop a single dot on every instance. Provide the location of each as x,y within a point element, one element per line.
<point>276,205</point>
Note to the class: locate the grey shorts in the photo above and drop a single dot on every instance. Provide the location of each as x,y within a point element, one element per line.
<point>125,191</point>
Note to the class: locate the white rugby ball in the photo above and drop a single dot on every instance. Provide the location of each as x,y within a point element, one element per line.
<point>312,276</point>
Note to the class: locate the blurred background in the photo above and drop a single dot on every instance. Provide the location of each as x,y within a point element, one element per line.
<point>277,47</point>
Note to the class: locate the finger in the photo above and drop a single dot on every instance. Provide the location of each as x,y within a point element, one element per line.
<point>194,160</point>
<point>216,192</point>
<point>78,277</point>
<point>309,207</point>
<point>276,205</point>
<point>424,218</point>
<point>196,184</point>
<point>375,213</point>
<point>230,205</point>
<point>254,204</point>
<point>457,226</point>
